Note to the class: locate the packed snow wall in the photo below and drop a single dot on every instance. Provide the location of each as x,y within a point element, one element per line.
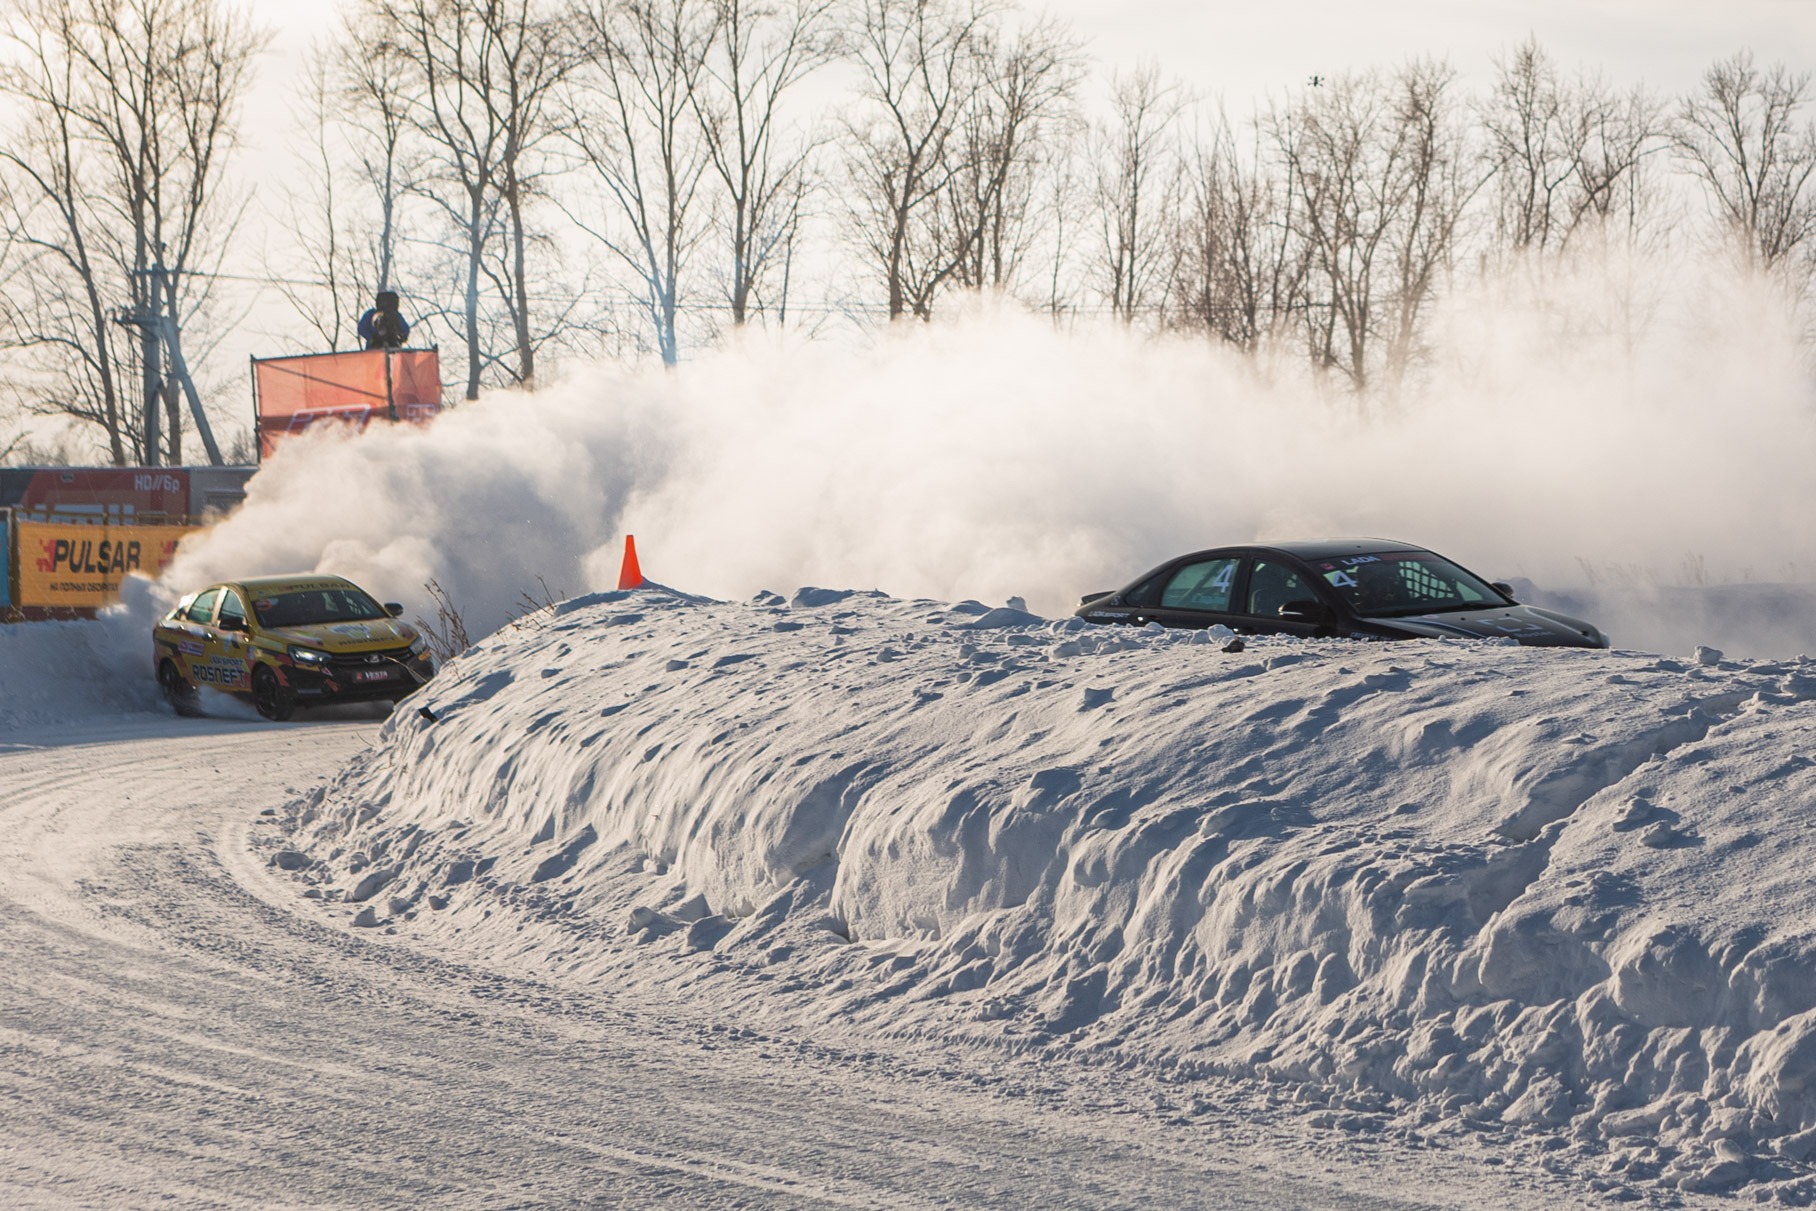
<point>1554,889</point>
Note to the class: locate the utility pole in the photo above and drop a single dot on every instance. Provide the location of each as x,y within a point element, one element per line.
<point>151,358</point>
<point>158,330</point>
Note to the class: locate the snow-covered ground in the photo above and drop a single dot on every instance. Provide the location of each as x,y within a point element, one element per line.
<point>1151,922</point>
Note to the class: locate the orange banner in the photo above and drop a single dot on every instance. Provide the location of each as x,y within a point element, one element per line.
<point>81,566</point>
<point>348,388</point>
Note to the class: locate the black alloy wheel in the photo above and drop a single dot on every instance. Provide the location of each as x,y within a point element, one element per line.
<point>272,700</point>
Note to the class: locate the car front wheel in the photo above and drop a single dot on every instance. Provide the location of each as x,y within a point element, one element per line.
<point>179,693</point>
<point>271,699</point>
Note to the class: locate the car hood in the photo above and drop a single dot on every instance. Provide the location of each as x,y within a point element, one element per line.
<point>1528,625</point>
<point>366,635</point>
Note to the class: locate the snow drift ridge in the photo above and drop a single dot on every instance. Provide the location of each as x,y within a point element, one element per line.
<point>1541,889</point>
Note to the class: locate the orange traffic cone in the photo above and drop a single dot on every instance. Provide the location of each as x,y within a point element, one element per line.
<point>630,576</point>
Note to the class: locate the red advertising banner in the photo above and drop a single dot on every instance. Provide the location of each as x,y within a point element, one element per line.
<point>347,388</point>
<point>105,494</point>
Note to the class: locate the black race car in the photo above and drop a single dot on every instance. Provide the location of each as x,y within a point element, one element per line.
<point>1370,588</point>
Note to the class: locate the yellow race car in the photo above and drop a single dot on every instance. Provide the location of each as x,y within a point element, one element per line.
<point>287,641</point>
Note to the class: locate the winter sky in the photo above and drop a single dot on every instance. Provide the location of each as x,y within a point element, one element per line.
<point>1242,50</point>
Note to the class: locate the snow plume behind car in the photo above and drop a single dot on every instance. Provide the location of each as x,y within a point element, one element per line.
<point>989,454</point>
<point>1557,897</point>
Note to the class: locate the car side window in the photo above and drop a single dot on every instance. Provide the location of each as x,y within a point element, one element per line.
<point>1272,585</point>
<point>1145,593</point>
<point>233,613</point>
<point>202,608</point>
<point>1201,586</point>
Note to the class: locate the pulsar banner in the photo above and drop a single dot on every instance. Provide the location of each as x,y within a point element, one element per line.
<point>79,566</point>
<point>347,388</point>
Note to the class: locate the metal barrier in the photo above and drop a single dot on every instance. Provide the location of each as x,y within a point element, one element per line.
<point>7,575</point>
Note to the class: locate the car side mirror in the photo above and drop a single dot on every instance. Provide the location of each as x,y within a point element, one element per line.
<point>1306,610</point>
<point>394,608</point>
<point>1502,587</point>
<point>232,624</point>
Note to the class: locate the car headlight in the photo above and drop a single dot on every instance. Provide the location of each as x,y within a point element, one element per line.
<point>307,655</point>
<point>419,645</point>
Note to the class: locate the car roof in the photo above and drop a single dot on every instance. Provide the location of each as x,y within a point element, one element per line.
<point>1325,548</point>
<point>1321,548</point>
<point>296,582</point>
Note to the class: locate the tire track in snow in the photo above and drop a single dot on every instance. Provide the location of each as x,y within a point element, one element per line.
<point>168,1030</point>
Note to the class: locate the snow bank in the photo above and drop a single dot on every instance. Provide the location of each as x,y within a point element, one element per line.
<point>1558,891</point>
<point>67,673</point>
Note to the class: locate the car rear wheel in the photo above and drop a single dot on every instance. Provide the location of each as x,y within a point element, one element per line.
<point>272,700</point>
<point>179,693</point>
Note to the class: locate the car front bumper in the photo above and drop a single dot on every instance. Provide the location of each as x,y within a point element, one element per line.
<point>358,678</point>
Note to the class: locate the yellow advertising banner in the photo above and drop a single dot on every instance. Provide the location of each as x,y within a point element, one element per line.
<point>77,566</point>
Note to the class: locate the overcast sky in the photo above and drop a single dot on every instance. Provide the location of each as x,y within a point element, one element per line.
<point>1244,49</point>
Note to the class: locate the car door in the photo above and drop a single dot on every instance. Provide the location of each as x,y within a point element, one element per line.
<point>1271,583</point>
<point>231,648</point>
<point>1198,593</point>
<point>195,638</point>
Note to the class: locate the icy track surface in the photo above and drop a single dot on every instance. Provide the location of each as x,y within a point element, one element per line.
<point>1550,906</point>
<point>178,1027</point>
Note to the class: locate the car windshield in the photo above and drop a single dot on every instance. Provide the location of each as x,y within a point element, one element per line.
<point>315,605</point>
<point>1392,584</point>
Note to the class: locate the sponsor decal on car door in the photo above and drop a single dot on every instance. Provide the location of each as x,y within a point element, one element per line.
<point>229,646</point>
<point>193,627</point>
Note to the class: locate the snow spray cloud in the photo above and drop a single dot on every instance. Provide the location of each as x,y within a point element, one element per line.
<point>990,455</point>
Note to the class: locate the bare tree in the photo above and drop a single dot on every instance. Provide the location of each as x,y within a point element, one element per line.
<point>1624,131</point>
<point>537,51</point>
<point>1743,136</point>
<point>1060,211</point>
<point>374,84</point>
<point>1138,188</point>
<point>1007,138</point>
<point>1438,183</point>
<point>1563,153</point>
<point>313,222</point>
<point>1377,165</point>
<point>633,119</point>
<point>1242,274</point>
<point>759,53</point>
<point>918,63</point>
<point>115,194</point>
<point>478,76</point>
